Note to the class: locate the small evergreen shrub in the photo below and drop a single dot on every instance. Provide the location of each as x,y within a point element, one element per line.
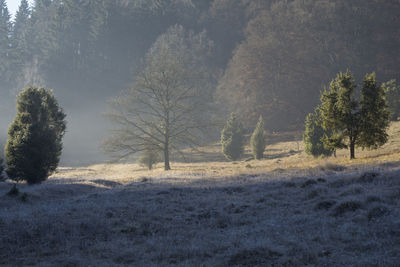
<point>313,136</point>
<point>257,141</point>
<point>232,139</point>
<point>34,146</point>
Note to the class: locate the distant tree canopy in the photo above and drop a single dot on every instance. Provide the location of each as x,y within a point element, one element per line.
<point>354,123</point>
<point>167,106</point>
<point>293,47</point>
<point>270,58</point>
<point>34,144</point>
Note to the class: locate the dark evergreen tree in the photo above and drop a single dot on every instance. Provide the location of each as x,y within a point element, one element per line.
<point>19,38</point>
<point>34,146</point>
<point>257,141</point>
<point>5,30</point>
<point>232,138</point>
<point>354,123</point>
<point>375,115</point>
<point>314,134</point>
<point>340,112</point>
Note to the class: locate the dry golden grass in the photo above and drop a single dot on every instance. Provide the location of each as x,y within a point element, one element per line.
<point>285,157</point>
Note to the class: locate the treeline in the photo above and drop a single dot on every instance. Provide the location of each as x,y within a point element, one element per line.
<point>269,57</point>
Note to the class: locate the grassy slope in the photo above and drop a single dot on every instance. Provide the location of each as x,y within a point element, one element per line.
<point>288,209</point>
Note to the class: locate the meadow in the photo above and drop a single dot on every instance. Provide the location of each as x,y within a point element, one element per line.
<point>288,209</point>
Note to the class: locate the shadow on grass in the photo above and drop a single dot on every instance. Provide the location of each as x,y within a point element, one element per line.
<point>235,221</point>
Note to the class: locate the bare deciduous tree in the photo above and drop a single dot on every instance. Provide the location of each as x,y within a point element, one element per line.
<point>166,107</point>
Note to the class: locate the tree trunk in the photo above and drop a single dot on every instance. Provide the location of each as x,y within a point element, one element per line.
<point>166,145</point>
<point>352,156</point>
<point>166,156</point>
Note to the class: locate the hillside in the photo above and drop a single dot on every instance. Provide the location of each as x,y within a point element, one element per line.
<point>288,209</point>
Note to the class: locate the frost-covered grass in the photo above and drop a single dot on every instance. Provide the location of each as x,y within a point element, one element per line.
<point>288,209</point>
<point>330,219</point>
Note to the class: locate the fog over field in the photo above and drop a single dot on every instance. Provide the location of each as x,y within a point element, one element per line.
<point>199,132</point>
<point>90,52</point>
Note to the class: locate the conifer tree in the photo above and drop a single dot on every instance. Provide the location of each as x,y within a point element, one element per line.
<point>340,111</point>
<point>257,141</point>
<point>34,146</point>
<point>313,136</point>
<point>19,37</point>
<point>232,138</point>
<point>375,115</point>
<point>5,29</point>
<point>354,123</point>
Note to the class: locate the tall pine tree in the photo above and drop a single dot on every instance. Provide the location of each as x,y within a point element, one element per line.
<point>19,37</point>
<point>5,30</point>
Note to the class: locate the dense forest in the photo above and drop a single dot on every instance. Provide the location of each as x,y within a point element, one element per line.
<point>266,57</point>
